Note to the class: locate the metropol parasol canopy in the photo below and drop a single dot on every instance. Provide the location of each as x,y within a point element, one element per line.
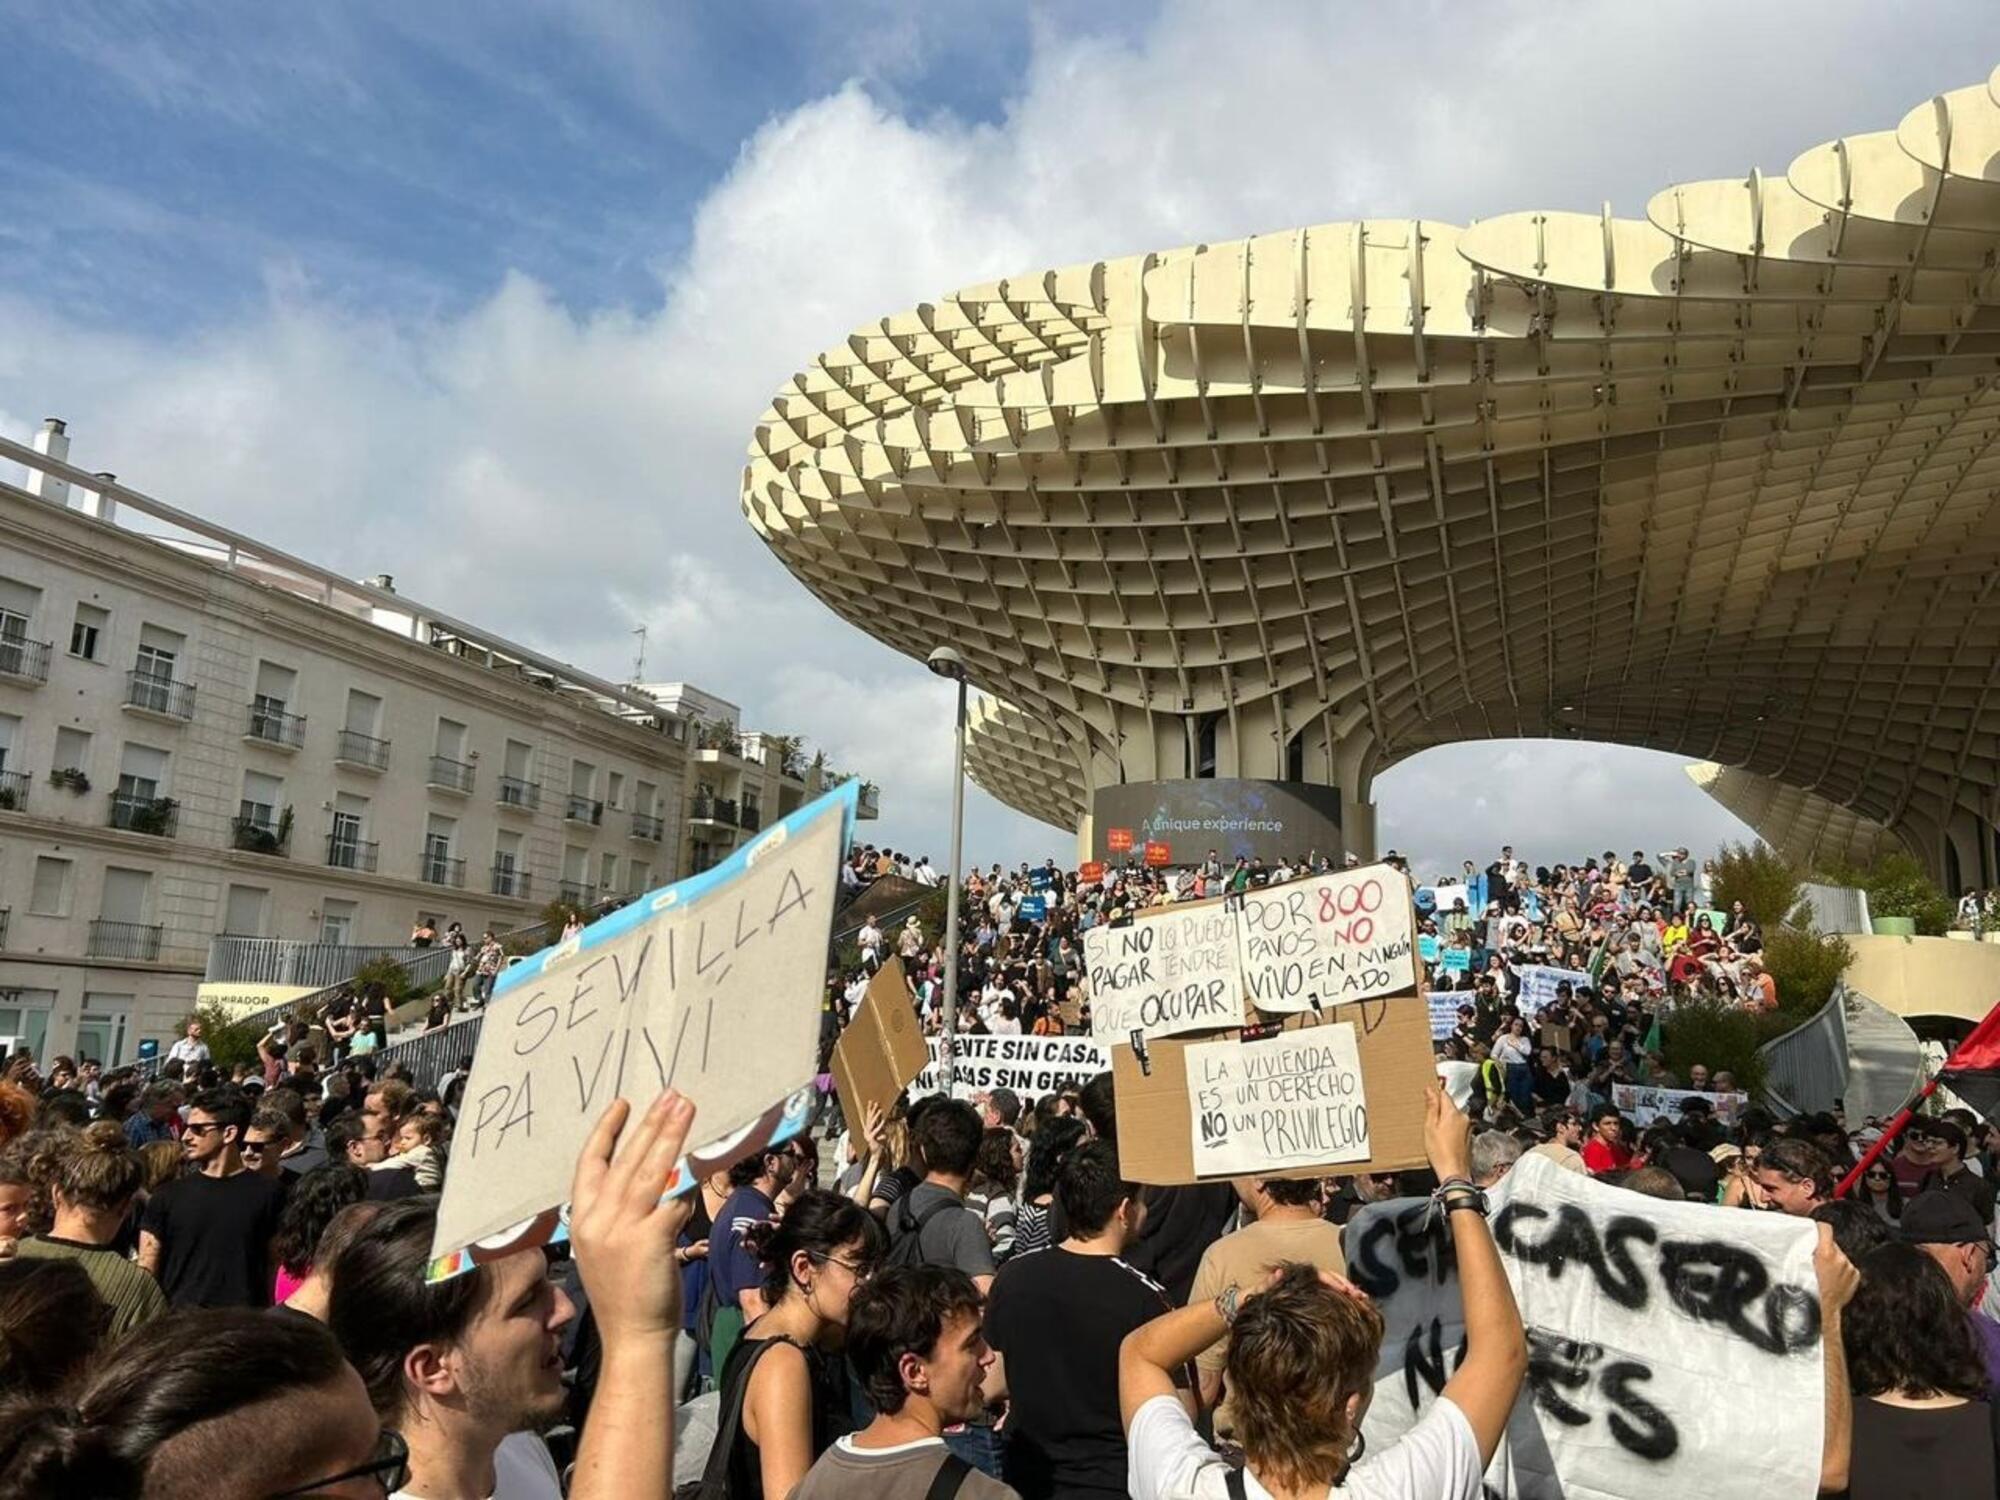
<point>1720,480</point>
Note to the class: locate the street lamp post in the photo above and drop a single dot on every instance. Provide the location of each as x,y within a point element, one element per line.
<point>948,663</point>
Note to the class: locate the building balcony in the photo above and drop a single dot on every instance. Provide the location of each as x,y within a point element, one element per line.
<point>510,880</point>
<point>274,727</point>
<point>361,751</point>
<point>5,912</point>
<point>646,826</point>
<point>524,796</point>
<point>158,816</point>
<point>160,697</point>
<point>582,809</point>
<point>24,661</point>
<point>13,791</point>
<point>256,836</point>
<point>442,869</point>
<point>135,941</point>
<point>750,819</point>
<point>713,810</point>
<point>448,775</point>
<point>575,893</point>
<point>350,854</point>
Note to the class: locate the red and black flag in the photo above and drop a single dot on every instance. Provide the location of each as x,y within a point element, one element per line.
<point>1973,1071</point>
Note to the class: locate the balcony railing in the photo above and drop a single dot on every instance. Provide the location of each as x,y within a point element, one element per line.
<point>255,836</point>
<point>353,748</point>
<point>442,869</point>
<point>273,726</point>
<point>515,792</point>
<point>582,809</point>
<point>24,661</point>
<point>151,694</point>
<point>576,893</point>
<point>158,816</point>
<point>750,819</point>
<point>449,775</point>
<point>350,854</point>
<point>13,790</point>
<point>510,880</point>
<point>714,810</point>
<point>646,826</point>
<point>137,941</point>
<point>5,912</point>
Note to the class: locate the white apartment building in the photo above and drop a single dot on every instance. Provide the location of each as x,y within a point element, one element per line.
<point>201,736</point>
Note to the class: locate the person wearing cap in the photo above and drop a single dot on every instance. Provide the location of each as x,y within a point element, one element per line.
<point>1949,1171</point>
<point>1947,1229</point>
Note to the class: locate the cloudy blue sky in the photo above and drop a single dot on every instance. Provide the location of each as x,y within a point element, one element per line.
<point>489,296</point>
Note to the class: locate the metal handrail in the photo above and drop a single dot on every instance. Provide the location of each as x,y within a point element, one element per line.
<point>1800,1068</point>
<point>28,660</point>
<point>360,749</point>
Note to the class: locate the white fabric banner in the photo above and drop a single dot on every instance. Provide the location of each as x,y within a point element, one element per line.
<point>1642,1106</point>
<point>1673,1348</point>
<point>1029,1065</point>
<point>1539,981</point>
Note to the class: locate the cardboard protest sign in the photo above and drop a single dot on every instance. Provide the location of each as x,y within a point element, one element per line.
<point>1539,981</point>
<point>1642,1106</point>
<point>1156,1114</point>
<point>1346,935</point>
<point>1029,1065</point>
<point>882,1048</point>
<point>1290,1100</point>
<point>1170,969</point>
<point>1665,1340</point>
<point>711,986</point>
<point>1444,1006</point>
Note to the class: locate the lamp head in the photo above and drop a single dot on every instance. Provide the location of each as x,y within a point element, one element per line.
<point>946,663</point>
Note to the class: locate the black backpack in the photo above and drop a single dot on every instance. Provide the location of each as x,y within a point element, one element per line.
<point>908,1247</point>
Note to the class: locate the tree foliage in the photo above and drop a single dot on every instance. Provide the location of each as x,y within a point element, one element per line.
<point>1762,879</point>
<point>230,1041</point>
<point>1806,965</point>
<point>1897,886</point>
<point>1718,1034</point>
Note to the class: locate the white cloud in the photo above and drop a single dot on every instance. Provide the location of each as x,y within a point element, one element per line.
<point>565,477</point>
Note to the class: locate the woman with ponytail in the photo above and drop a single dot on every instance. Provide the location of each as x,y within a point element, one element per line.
<point>785,1373</point>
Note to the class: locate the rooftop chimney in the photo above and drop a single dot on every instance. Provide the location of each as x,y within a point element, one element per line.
<point>99,503</point>
<point>52,440</point>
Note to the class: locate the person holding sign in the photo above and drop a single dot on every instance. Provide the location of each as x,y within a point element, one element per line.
<point>1299,1436</point>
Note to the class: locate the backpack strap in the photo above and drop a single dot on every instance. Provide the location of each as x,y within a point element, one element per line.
<point>950,1475</point>
<point>729,1420</point>
<point>1232,1477</point>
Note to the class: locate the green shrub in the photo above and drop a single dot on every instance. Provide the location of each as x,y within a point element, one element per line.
<point>230,1041</point>
<point>1761,878</point>
<point>1898,887</point>
<point>1719,1034</point>
<point>392,976</point>
<point>1806,967</point>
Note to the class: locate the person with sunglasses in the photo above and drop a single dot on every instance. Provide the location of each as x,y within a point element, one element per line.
<point>1880,1192</point>
<point>206,1236</point>
<point>785,1383</point>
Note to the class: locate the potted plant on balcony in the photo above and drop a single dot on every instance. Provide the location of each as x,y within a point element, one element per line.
<point>1903,900</point>
<point>154,817</point>
<point>71,777</point>
<point>9,799</point>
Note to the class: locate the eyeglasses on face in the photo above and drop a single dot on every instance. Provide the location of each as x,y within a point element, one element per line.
<point>390,1467</point>
<point>859,1270</point>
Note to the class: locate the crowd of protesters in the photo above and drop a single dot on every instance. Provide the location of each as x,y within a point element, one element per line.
<point>214,1284</point>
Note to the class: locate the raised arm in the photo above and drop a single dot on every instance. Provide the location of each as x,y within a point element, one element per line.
<point>1153,1351</point>
<point>1496,1349</point>
<point>624,1236</point>
<point>1837,1283</point>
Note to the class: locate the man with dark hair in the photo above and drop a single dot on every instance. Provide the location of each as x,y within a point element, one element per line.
<point>1793,1176</point>
<point>914,1339</point>
<point>153,1119</point>
<point>1288,1225</point>
<point>206,1236</point>
<point>1180,1222</point>
<point>1949,1171</point>
<point>362,1140</point>
<point>265,1141</point>
<point>468,1369</point>
<point>947,1137</point>
<point>1056,1321</point>
<point>734,1275</point>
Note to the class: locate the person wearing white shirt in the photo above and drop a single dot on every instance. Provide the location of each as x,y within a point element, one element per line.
<point>1297,1437</point>
<point>190,1051</point>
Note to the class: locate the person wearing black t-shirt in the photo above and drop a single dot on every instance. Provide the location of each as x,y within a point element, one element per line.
<point>206,1237</point>
<point>1056,1319</point>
